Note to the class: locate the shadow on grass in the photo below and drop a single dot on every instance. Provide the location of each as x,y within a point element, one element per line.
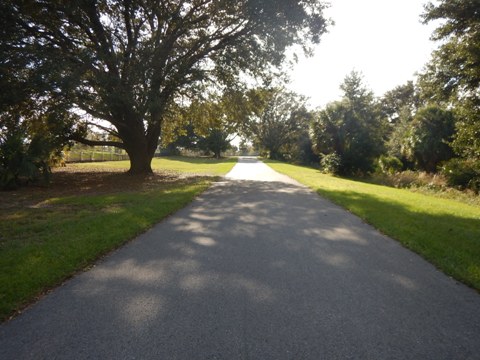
<point>450,242</point>
<point>51,234</point>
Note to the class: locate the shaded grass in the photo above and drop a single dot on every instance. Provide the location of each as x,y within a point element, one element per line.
<point>48,234</point>
<point>445,232</point>
<point>178,164</point>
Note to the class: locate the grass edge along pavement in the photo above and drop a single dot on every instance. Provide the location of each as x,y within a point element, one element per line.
<point>42,246</point>
<point>445,232</point>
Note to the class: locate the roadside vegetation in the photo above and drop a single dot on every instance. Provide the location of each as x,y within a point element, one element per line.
<point>49,233</point>
<point>446,232</point>
<point>422,182</point>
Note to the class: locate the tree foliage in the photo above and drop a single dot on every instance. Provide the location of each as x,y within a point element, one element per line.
<point>453,75</point>
<point>455,65</point>
<point>462,173</point>
<point>466,141</point>
<point>398,139</point>
<point>430,134</point>
<point>28,148</point>
<point>399,107</point>
<point>215,141</point>
<point>351,128</point>
<point>34,122</point>
<point>211,124</point>
<point>279,124</point>
<point>402,100</point>
<point>128,62</point>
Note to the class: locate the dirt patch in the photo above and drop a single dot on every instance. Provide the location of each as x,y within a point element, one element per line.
<point>82,181</point>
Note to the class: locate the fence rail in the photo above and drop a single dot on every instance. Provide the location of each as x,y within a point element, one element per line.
<point>89,156</point>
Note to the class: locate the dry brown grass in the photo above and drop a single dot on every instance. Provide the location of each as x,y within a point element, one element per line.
<point>425,183</point>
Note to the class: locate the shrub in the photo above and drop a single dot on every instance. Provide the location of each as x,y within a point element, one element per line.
<point>22,162</point>
<point>462,173</point>
<point>410,179</point>
<point>25,158</point>
<point>390,164</point>
<point>331,163</point>
<point>405,179</point>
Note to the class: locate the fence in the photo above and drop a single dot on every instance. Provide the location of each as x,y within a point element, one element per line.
<point>92,155</point>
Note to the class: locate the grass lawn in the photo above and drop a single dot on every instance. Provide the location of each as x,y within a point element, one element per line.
<point>445,232</point>
<point>49,233</point>
<point>176,164</point>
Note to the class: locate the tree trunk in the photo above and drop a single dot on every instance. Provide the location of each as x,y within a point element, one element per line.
<point>140,157</point>
<point>141,147</point>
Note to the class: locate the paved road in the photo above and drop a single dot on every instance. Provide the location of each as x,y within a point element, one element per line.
<point>258,267</point>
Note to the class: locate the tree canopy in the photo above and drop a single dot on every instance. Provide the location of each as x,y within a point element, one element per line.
<point>403,99</point>
<point>127,62</point>
<point>452,77</point>
<point>351,128</point>
<point>455,66</point>
<point>279,122</point>
<point>429,137</point>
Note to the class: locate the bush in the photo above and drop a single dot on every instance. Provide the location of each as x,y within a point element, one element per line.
<point>390,164</point>
<point>331,163</point>
<point>410,179</point>
<point>405,179</point>
<point>22,162</point>
<point>462,173</point>
<point>24,157</point>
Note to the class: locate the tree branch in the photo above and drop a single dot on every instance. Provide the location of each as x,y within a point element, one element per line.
<point>97,142</point>
<point>106,129</point>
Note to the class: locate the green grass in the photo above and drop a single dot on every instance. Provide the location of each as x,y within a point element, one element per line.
<point>445,232</point>
<point>180,164</point>
<point>46,235</point>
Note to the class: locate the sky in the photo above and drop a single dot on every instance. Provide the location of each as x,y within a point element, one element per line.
<point>383,39</point>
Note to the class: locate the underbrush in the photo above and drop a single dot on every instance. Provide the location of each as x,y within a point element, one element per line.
<point>424,183</point>
<point>409,179</point>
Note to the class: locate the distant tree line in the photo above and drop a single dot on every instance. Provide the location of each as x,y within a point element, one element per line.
<point>432,125</point>
<point>405,129</point>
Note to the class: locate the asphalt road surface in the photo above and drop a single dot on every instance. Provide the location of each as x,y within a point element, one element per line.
<point>258,267</point>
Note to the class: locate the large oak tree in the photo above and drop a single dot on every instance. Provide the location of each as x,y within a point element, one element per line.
<point>125,62</point>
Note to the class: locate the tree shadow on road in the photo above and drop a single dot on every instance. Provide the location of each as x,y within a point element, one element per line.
<point>450,242</point>
<point>261,270</point>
